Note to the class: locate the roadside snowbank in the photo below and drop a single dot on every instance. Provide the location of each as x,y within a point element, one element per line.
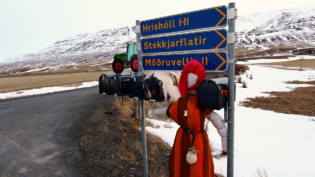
<point>44,90</point>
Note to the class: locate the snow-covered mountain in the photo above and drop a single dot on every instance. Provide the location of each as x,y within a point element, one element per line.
<point>280,27</point>
<point>285,27</point>
<point>78,49</point>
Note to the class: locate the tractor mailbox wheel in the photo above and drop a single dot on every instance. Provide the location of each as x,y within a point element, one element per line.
<point>118,66</point>
<point>134,63</point>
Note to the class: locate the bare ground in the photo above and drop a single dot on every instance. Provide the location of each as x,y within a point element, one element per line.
<point>112,148</point>
<point>299,101</point>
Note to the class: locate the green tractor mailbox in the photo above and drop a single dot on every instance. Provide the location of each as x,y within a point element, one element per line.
<point>129,59</point>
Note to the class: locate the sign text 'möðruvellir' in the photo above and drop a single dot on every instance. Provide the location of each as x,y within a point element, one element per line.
<point>211,61</point>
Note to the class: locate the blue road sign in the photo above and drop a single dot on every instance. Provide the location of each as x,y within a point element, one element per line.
<point>186,42</point>
<point>211,61</point>
<point>207,18</point>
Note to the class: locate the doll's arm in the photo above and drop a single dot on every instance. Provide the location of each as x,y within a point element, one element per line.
<point>153,112</point>
<point>219,124</point>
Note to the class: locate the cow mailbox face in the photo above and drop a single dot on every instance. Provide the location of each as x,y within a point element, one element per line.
<point>103,83</point>
<point>136,87</point>
<point>119,84</point>
<point>212,95</point>
<point>153,89</point>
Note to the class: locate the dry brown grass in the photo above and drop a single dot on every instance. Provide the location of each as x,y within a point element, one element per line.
<point>89,71</point>
<point>299,101</point>
<point>261,172</point>
<point>148,124</point>
<point>301,82</point>
<point>240,53</point>
<point>9,84</point>
<point>286,68</point>
<point>125,154</point>
<point>123,129</point>
<point>138,147</point>
<point>151,160</point>
<point>168,126</point>
<point>154,150</point>
<point>149,104</point>
<point>128,108</point>
<point>296,63</point>
<point>103,129</point>
<point>244,52</point>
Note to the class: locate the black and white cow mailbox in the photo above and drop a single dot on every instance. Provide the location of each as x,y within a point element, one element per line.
<point>103,83</point>
<point>213,94</point>
<point>136,87</point>
<point>119,84</point>
<point>153,89</point>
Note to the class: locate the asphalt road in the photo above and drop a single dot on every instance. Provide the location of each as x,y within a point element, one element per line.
<point>39,134</point>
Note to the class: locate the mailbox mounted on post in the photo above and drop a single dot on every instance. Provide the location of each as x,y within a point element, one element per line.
<point>119,84</point>
<point>213,94</point>
<point>103,83</point>
<point>136,87</point>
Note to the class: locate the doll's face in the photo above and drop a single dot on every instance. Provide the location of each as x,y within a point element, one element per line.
<point>192,79</point>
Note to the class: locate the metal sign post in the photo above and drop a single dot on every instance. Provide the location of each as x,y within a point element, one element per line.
<point>141,108</point>
<point>231,72</point>
<point>168,43</point>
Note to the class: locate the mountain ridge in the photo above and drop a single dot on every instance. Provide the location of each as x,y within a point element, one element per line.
<point>266,29</point>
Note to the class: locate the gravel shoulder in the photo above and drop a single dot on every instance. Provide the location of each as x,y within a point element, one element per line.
<point>111,147</point>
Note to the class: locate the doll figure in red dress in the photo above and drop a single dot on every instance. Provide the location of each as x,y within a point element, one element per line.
<point>191,152</point>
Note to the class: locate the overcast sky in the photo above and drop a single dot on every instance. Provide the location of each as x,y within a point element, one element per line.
<point>27,26</point>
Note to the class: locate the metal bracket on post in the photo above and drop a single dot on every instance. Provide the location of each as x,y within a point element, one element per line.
<point>231,61</point>
<point>138,46</point>
<point>227,121</point>
<point>226,113</point>
<point>232,13</point>
<point>231,38</point>
<point>137,30</point>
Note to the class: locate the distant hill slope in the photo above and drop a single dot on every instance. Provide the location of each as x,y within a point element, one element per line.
<point>268,29</point>
<point>78,49</point>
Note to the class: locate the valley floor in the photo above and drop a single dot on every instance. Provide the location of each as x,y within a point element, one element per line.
<point>279,143</point>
